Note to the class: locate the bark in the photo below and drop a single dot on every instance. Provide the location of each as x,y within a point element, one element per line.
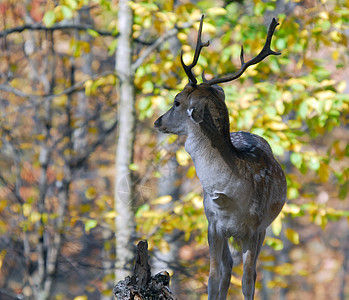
<point>141,285</point>
<point>344,273</point>
<point>47,254</point>
<point>168,185</point>
<point>79,134</point>
<point>123,193</point>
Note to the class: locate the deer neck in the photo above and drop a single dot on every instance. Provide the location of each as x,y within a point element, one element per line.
<point>213,156</point>
<point>205,143</point>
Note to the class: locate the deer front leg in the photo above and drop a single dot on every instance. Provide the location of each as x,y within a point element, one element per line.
<point>221,264</point>
<point>251,250</point>
<point>226,269</point>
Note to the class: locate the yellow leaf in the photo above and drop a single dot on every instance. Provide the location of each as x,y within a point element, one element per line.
<point>187,235</point>
<point>156,100</point>
<point>324,172</point>
<point>162,200</point>
<point>292,236</point>
<point>85,207</point>
<point>324,95</point>
<point>90,193</point>
<point>35,217</point>
<point>182,157</point>
<point>40,137</point>
<point>276,226</point>
<point>61,100</point>
<point>291,209</point>
<point>110,214</point>
<point>235,280</point>
<point>284,269</point>
<point>182,36</point>
<point>3,204</point>
<point>187,57</point>
<point>207,28</point>
<point>197,202</point>
<point>276,125</point>
<point>60,176</point>
<point>88,85</point>
<point>279,281</point>
<point>164,246</point>
<point>324,15</point>
<point>335,55</point>
<point>178,209</point>
<point>216,11</point>
<point>15,208</point>
<point>93,130</point>
<point>26,209</point>
<point>25,146</point>
<point>2,257</point>
<point>296,81</point>
<point>172,138</point>
<point>81,297</point>
<point>191,172</point>
<point>341,86</point>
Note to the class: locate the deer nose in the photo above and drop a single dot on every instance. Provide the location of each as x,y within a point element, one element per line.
<point>157,123</point>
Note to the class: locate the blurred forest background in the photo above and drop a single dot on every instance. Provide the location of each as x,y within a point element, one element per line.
<point>84,176</point>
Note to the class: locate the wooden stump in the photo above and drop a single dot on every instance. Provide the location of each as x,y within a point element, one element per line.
<point>141,285</point>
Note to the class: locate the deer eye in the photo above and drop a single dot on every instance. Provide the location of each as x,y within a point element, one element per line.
<point>176,103</point>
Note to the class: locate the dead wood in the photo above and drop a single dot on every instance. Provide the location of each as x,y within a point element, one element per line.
<point>141,285</point>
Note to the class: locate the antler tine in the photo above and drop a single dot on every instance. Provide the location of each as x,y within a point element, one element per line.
<point>266,51</point>
<point>199,46</point>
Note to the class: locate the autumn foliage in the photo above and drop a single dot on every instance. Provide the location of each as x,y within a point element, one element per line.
<point>58,122</point>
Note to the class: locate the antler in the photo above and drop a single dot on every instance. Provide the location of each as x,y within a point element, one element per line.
<point>266,51</point>
<point>199,46</point>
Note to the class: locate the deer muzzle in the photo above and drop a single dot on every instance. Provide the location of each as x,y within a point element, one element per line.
<point>159,126</point>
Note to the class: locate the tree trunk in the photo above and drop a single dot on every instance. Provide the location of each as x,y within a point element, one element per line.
<point>124,220</point>
<point>168,185</point>
<point>141,285</point>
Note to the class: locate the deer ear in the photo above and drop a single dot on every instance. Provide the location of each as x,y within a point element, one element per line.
<point>196,114</point>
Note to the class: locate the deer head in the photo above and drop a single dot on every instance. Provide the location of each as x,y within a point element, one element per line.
<point>206,101</point>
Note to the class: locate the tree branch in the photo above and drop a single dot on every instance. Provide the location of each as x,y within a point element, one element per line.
<point>40,26</point>
<point>67,91</point>
<point>12,189</point>
<point>156,44</point>
<point>11,295</point>
<point>78,161</point>
<point>10,89</point>
<point>152,47</point>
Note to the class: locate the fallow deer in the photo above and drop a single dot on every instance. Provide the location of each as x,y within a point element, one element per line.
<point>244,185</point>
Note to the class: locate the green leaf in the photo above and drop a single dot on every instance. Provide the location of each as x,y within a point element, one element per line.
<point>90,224</point>
<point>49,18</point>
<point>73,4</point>
<point>67,12</point>
<point>133,167</point>
<point>296,159</point>
<point>143,208</point>
<point>292,193</point>
<point>275,243</point>
<point>303,110</point>
<point>92,32</point>
<point>112,46</point>
<point>314,163</point>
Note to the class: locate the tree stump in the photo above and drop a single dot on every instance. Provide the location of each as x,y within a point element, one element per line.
<point>141,285</point>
